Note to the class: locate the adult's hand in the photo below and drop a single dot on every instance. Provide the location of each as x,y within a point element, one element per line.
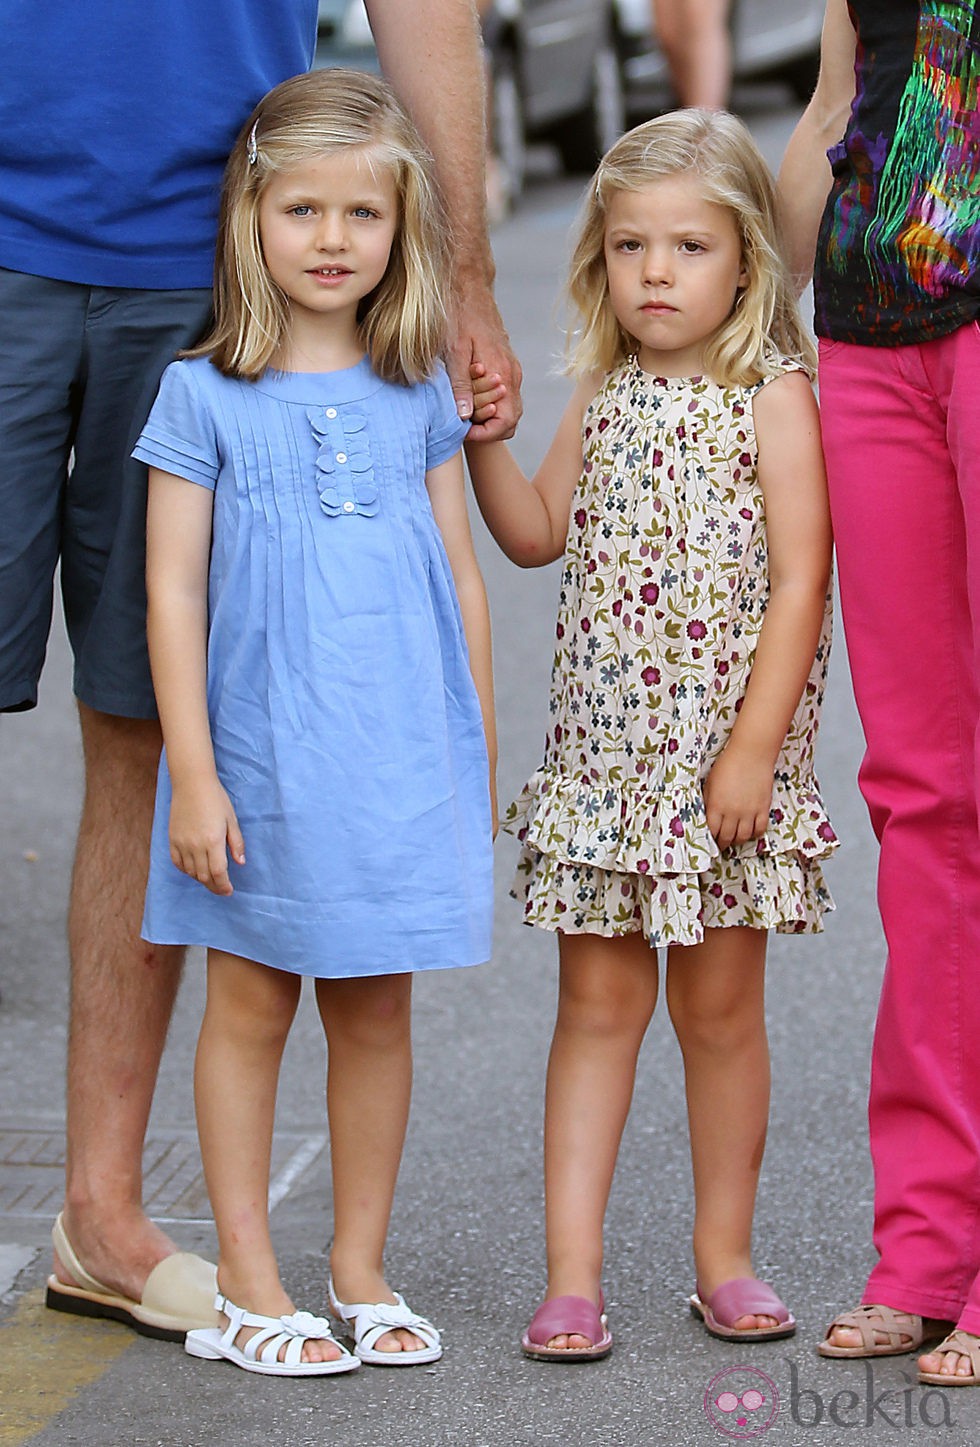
<point>477,334</point>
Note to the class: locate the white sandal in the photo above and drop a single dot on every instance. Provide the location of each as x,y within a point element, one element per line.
<point>368,1321</point>
<point>261,1352</point>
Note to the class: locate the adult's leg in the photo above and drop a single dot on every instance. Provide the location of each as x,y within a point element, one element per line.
<point>121,1000</point>
<point>959,378</point>
<point>606,997</point>
<point>910,596</point>
<point>368,1025</point>
<point>130,337</point>
<point>250,1008</point>
<point>716,998</point>
<point>695,38</point>
<point>40,363</point>
<point>122,989</point>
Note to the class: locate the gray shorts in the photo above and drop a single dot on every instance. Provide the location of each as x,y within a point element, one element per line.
<point>79,368</point>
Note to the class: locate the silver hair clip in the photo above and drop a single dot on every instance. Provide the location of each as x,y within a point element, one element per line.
<point>252,149</point>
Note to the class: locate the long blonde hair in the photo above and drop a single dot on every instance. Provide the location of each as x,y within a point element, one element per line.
<point>765,323</point>
<point>402,323</point>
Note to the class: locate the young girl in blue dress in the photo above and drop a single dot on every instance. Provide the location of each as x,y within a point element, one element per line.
<point>320,646</point>
<point>676,805</point>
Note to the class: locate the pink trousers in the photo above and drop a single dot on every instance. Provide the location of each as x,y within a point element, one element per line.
<point>901,431</point>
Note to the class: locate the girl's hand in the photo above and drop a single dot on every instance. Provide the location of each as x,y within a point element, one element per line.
<point>203,827</point>
<point>738,796</point>
<point>488,390</point>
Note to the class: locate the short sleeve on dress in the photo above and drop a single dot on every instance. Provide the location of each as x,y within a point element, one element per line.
<point>445,429</point>
<point>785,365</point>
<point>179,435</point>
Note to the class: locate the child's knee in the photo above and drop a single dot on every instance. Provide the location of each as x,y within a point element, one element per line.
<point>257,1004</point>
<point>370,1013</point>
<point>719,1024</point>
<point>603,1011</point>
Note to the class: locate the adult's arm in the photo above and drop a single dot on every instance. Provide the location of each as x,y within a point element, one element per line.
<point>430,53</point>
<point>805,175</point>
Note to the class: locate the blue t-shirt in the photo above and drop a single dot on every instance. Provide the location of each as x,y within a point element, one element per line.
<point>116,120</point>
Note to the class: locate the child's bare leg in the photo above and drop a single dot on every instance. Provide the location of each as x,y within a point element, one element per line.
<point>607,995</point>
<point>250,1008</point>
<point>368,1025</point>
<point>716,998</point>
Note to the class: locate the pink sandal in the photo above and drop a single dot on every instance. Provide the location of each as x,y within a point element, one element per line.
<point>745,1296</point>
<point>568,1316</point>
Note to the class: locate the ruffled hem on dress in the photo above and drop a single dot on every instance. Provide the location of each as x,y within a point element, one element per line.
<point>614,861</point>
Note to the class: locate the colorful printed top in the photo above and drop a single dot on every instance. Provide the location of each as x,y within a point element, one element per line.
<point>898,257</point>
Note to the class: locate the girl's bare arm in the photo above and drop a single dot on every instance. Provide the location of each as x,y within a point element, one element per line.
<point>529,517</point>
<point>447,492</point>
<point>738,790</point>
<point>178,541</point>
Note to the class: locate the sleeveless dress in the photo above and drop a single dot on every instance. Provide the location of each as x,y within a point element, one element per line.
<point>663,593</point>
<point>346,725</point>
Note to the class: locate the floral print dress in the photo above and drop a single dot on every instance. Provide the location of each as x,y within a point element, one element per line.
<point>663,593</point>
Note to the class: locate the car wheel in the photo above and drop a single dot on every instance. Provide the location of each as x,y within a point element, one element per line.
<point>507,125</point>
<point>586,136</point>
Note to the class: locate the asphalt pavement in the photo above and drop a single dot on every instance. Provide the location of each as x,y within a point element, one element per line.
<point>467,1241</point>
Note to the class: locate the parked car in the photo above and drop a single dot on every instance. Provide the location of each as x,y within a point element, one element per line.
<point>556,75</point>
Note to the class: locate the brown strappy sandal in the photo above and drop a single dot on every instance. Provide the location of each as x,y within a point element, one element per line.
<point>904,1332</point>
<point>965,1345</point>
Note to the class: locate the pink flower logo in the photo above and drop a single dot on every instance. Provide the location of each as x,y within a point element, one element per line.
<point>741,1402</point>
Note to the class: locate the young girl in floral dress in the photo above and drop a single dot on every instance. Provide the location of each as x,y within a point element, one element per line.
<point>677,804</point>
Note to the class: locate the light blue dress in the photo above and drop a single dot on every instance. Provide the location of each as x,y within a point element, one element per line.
<point>346,725</point>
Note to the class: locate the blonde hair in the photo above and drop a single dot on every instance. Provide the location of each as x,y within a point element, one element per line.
<point>402,323</point>
<point>765,323</point>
